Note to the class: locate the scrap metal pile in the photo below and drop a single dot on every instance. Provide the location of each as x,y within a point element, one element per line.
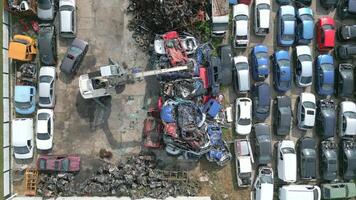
<point>136,178</point>
<point>149,16</point>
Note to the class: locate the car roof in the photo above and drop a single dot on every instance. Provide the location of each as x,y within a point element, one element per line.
<point>289,27</point>
<point>22,93</point>
<point>245,164</point>
<point>307,143</point>
<point>22,130</point>
<point>329,37</point>
<point>352,6</point>
<point>308,29</point>
<point>265,18</point>
<point>240,9</point>
<point>264,94</point>
<point>241,27</point>
<point>66,20</point>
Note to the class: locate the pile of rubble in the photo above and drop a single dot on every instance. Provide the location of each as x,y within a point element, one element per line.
<point>137,178</point>
<point>158,16</point>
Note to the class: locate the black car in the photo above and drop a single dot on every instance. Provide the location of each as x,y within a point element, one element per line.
<point>327,4</point>
<point>346,9</point>
<point>346,51</point>
<point>345,80</point>
<point>282,115</point>
<point>74,56</point>
<point>226,64</point>
<point>348,155</point>
<point>328,160</point>
<point>302,3</point>
<point>47,45</point>
<point>347,32</point>
<point>214,75</point>
<point>326,118</point>
<point>307,158</point>
<point>263,143</point>
<point>261,101</point>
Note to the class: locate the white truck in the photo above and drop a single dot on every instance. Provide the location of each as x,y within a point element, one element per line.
<point>244,160</point>
<point>220,17</point>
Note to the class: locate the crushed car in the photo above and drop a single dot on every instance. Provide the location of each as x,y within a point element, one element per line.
<point>219,152</point>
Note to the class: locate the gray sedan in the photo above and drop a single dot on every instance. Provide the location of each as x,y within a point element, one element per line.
<point>263,143</point>
<point>74,56</point>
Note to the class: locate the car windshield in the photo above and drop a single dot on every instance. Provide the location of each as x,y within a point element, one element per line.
<point>241,17</point>
<point>288,36</point>
<point>43,136</point>
<point>45,79</point>
<point>304,57</point>
<point>309,104</point>
<point>327,27</point>
<point>43,116</point>
<point>21,150</point>
<point>260,55</point>
<point>305,80</point>
<point>266,179</point>
<point>44,4</point>
<point>350,114</point>
<point>284,83</point>
<point>283,62</point>
<point>288,17</point>
<point>263,6</point>
<point>288,150</point>
<point>23,105</point>
<point>241,66</point>
<point>244,121</point>
<point>74,51</point>
<point>45,100</point>
<point>262,109</point>
<point>306,17</point>
<point>327,86</point>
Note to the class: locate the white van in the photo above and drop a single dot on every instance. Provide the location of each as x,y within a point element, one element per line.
<point>287,161</point>
<point>264,184</point>
<point>299,192</point>
<point>22,138</point>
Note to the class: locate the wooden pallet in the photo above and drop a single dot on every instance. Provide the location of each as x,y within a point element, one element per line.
<point>31,176</point>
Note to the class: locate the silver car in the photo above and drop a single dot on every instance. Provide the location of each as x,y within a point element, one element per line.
<point>67,18</point>
<point>45,9</point>
<point>46,87</point>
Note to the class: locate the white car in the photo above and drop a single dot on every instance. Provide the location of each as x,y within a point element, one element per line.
<point>287,161</point>
<point>241,26</point>
<point>262,17</point>
<point>299,192</point>
<point>22,138</point>
<point>67,18</point>
<point>306,111</point>
<point>347,120</point>
<point>44,129</point>
<point>243,116</point>
<point>242,76</point>
<point>304,66</point>
<point>46,87</point>
<point>264,184</point>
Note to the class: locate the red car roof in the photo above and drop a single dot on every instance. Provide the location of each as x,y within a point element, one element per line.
<point>203,73</point>
<point>329,40</point>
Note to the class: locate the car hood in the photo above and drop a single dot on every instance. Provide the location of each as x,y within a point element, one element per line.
<point>244,129</point>
<point>241,27</point>
<point>264,18</point>
<point>44,144</point>
<point>45,14</point>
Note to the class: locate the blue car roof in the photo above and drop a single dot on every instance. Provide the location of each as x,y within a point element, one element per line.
<point>22,93</point>
<point>282,54</point>
<point>288,27</point>
<point>326,58</point>
<point>285,73</point>
<point>264,94</point>
<point>212,107</point>
<point>308,29</point>
<point>329,76</point>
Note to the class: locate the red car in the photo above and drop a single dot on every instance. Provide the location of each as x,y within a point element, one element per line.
<point>152,130</point>
<point>174,49</point>
<point>58,163</point>
<point>325,31</point>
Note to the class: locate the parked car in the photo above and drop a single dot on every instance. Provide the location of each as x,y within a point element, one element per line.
<point>58,163</point>
<point>74,56</point>
<point>338,190</point>
<point>262,17</point>
<point>260,62</point>
<point>263,186</point>
<point>347,32</point>
<point>325,32</point>
<point>261,101</point>
<point>226,65</point>
<point>22,138</point>
<point>242,77</point>
<point>243,116</point>
<point>286,25</point>
<point>297,192</point>
<point>47,45</point>
<point>263,143</point>
<point>326,118</point>
<point>67,18</point>
<point>305,25</point>
<point>302,3</point>
<point>241,26</point>
<point>44,127</point>
<point>325,74</point>
<point>304,66</point>
<point>328,4</point>
<point>243,162</point>
<point>287,161</point>
<point>47,86</point>
<point>45,9</point>
<point>307,158</point>
<point>282,115</point>
<point>306,111</point>
<point>25,99</point>
<point>346,9</point>
<point>345,51</point>
<point>348,157</point>
<point>282,72</point>
<point>214,75</point>
<point>347,119</point>
<point>328,160</point>
<point>346,80</point>
<point>284,2</point>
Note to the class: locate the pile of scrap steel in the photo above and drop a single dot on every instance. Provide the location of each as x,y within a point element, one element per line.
<point>137,178</point>
<point>149,16</point>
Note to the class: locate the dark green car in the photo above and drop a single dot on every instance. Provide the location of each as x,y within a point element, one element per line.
<point>338,190</point>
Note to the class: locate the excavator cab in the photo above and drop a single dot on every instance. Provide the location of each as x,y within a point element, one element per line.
<point>22,48</point>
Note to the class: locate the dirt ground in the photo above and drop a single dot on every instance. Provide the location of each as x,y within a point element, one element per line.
<point>84,126</point>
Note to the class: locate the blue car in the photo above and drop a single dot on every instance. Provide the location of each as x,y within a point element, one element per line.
<point>282,72</point>
<point>25,99</point>
<point>219,152</point>
<point>305,26</point>
<point>325,73</point>
<point>286,26</point>
<point>260,62</point>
